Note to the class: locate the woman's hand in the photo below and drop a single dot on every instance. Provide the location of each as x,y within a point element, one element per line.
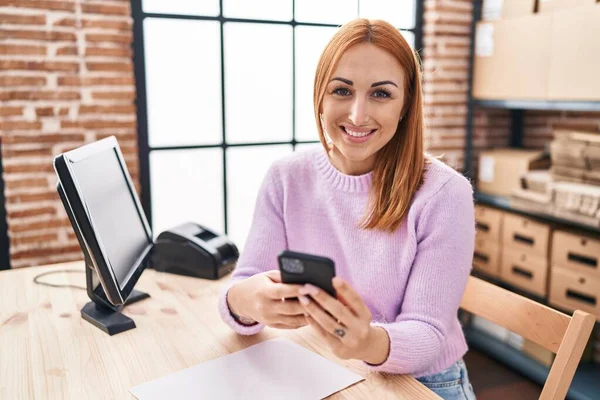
<point>345,323</point>
<point>264,299</point>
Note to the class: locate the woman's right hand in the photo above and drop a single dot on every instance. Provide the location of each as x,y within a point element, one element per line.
<point>260,298</point>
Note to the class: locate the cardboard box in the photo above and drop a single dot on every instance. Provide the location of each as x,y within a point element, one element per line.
<point>523,234</point>
<point>572,291</point>
<point>578,253</point>
<point>486,257</point>
<point>494,10</point>
<point>512,58</point>
<point>500,170</point>
<point>575,54</point>
<point>548,6</point>
<point>489,223</point>
<point>525,271</point>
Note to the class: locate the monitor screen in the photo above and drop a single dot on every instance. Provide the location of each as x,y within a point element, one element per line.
<point>112,210</point>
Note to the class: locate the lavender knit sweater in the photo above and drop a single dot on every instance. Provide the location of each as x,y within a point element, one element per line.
<point>412,280</point>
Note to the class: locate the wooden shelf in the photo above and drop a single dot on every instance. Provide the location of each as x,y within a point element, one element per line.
<point>539,105</point>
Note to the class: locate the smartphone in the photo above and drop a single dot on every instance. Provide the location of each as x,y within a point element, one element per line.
<point>301,268</point>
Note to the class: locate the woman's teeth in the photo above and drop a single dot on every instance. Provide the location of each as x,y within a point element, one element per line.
<point>356,134</point>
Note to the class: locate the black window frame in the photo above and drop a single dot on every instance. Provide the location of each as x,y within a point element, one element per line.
<point>144,147</point>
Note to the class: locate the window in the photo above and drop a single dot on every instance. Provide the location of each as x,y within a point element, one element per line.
<point>224,89</point>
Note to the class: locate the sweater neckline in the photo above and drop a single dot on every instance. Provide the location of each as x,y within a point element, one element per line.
<point>339,180</point>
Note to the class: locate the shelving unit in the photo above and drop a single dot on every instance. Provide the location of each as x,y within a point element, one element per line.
<point>586,383</point>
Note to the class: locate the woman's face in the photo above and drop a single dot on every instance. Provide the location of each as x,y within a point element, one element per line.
<point>361,107</point>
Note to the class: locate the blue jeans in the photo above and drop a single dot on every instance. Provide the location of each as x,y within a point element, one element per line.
<point>451,384</point>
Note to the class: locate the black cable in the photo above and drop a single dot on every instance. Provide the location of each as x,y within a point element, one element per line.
<point>35,279</point>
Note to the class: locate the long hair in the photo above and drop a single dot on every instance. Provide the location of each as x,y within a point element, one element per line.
<point>400,164</point>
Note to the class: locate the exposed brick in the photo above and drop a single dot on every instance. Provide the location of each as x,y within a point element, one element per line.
<point>19,125</point>
<point>27,152</point>
<point>39,95</point>
<point>116,109</point>
<point>113,95</point>
<point>44,111</point>
<point>44,238</point>
<point>126,26</point>
<point>52,36</point>
<point>51,66</point>
<point>25,168</point>
<point>123,38</point>
<point>63,111</point>
<point>110,66</point>
<point>44,252</point>
<point>67,51</point>
<point>106,9</point>
<point>18,19</point>
<point>68,22</point>
<point>122,137</point>
<point>44,5</point>
<point>22,81</point>
<point>124,80</point>
<point>26,183</point>
<point>31,212</point>
<point>10,111</point>
<point>22,50</point>
<point>109,52</point>
<point>100,124</point>
<point>53,138</point>
<point>31,197</point>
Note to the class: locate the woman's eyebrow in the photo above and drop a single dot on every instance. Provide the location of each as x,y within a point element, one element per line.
<point>349,82</point>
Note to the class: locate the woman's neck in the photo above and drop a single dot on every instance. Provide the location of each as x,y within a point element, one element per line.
<point>350,167</point>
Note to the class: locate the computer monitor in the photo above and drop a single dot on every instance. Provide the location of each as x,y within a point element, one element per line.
<point>111,227</point>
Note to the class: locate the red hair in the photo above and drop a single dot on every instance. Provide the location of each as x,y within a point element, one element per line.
<point>400,164</point>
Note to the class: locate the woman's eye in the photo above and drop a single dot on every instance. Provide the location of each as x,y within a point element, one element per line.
<point>341,91</point>
<point>384,94</point>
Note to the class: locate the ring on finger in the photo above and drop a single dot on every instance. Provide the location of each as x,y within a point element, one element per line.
<point>339,332</point>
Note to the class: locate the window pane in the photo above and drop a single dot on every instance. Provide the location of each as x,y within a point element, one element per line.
<point>183,82</point>
<point>310,43</point>
<point>186,7</point>
<point>326,11</point>
<point>187,185</point>
<point>308,146</point>
<point>246,169</point>
<point>275,10</point>
<point>258,82</point>
<point>400,13</point>
<point>410,38</point>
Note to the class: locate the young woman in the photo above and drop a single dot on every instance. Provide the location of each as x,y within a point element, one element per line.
<point>398,224</point>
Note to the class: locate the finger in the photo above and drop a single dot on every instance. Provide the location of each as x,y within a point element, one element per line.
<point>320,316</point>
<point>324,335</point>
<point>351,298</point>
<point>295,321</point>
<point>274,275</point>
<point>283,290</point>
<point>339,311</point>
<point>288,307</point>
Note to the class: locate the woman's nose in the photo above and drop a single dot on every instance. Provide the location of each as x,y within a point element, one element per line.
<point>359,112</point>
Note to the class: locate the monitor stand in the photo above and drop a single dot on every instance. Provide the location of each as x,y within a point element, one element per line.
<point>100,312</point>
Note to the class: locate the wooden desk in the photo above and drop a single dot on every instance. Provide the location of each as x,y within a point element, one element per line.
<point>47,351</point>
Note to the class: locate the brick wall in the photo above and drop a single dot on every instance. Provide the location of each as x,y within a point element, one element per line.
<point>446,45</point>
<point>66,78</point>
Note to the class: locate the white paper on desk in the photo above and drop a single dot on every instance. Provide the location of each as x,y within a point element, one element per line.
<point>274,369</point>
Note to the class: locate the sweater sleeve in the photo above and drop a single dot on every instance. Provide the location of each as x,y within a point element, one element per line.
<point>440,270</point>
<point>265,241</point>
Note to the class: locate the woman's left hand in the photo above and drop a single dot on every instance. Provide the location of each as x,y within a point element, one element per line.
<point>345,323</point>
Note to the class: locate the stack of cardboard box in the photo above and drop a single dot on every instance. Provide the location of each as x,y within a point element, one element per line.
<point>526,50</point>
<point>576,172</point>
<point>488,240</point>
